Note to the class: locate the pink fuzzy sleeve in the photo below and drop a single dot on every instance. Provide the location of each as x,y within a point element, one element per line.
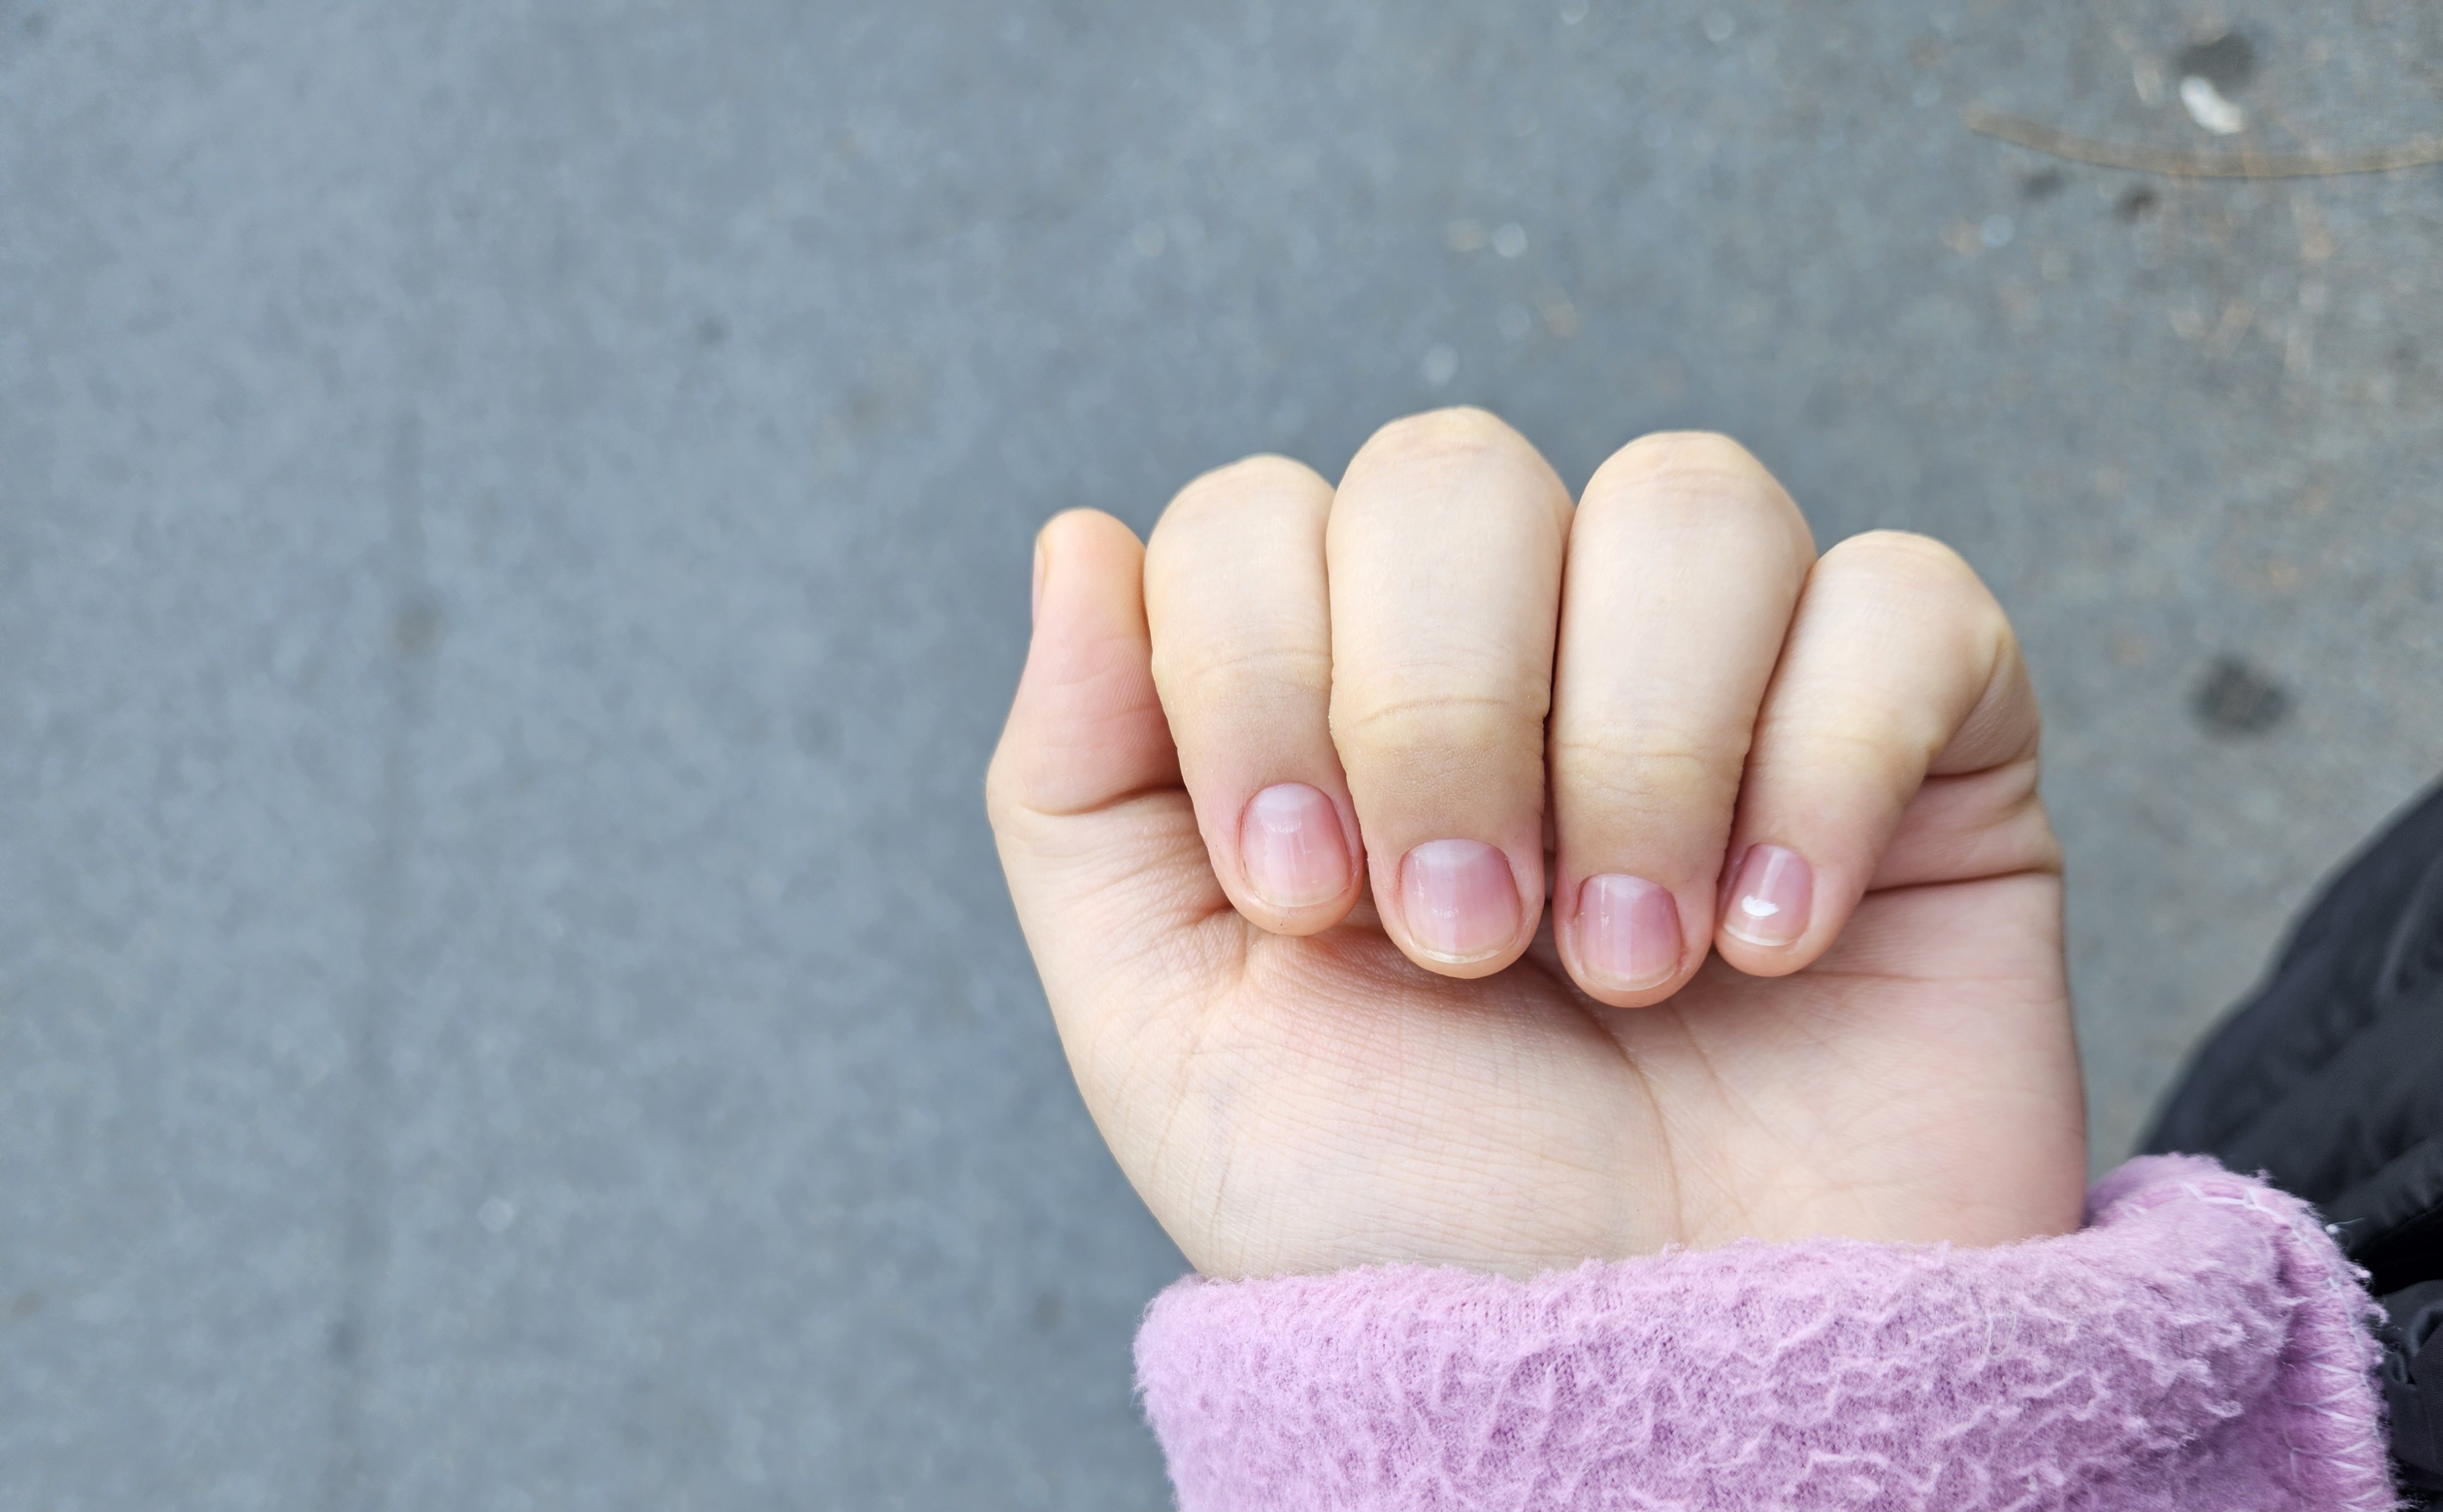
<point>2200,1345</point>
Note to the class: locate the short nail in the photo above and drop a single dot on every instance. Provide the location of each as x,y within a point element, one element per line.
<point>1769,899</point>
<point>1291,846</point>
<point>1035,601</point>
<point>1629,932</point>
<point>1460,898</point>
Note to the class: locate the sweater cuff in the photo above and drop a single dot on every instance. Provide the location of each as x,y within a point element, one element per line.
<point>2200,1344</point>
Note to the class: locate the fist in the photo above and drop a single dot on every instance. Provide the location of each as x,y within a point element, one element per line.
<point>1432,869</point>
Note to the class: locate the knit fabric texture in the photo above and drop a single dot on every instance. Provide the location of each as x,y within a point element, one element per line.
<point>2202,1345</point>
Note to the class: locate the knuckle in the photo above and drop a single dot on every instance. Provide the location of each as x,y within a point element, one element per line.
<point>1193,677</point>
<point>1226,488</point>
<point>1462,727</point>
<point>1860,751</point>
<point>1929,576</point>
<point>1707,460</point>
<point>1691,449</point>
<point>1662,751</point>
<point>1697,474</point>
<point>1908,559</point>
<point>1438,436</point>
<point>1227,494</point>
<point>1646,775</point>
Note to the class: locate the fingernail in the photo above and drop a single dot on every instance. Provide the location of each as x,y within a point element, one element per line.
<point>1035,604</point>
<point>1629,932</point>
<point>1291,844</point>
<point>1770,897</point>
<point>1460,898</point>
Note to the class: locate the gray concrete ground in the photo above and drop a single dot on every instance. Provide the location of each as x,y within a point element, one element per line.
<point>513,528</point>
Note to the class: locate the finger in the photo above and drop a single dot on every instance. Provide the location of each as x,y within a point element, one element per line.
<point>1685,561</point>
<point>1095,834</point>
<point>1242,625</point>
<point>1899,666</point>
<point>1444,548</point>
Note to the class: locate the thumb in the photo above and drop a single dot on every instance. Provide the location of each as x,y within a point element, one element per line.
<point>1095,831</point>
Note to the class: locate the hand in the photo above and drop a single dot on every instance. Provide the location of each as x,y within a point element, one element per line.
<point>1274,805</point>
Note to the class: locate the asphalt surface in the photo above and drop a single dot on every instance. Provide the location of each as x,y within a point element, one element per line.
<point>513,548</point>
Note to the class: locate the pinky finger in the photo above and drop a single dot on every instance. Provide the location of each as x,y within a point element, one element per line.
<point>1899,667</point>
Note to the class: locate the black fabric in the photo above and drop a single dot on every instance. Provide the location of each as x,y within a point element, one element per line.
<point>2413,1381</point>
<point>2329,1080</point>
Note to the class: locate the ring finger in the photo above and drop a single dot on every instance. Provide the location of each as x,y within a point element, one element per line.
<point>1684,566</point>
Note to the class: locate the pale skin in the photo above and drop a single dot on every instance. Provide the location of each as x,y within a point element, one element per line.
<point>1432,869</point>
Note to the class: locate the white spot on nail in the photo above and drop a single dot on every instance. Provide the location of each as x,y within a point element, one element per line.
<point>1757,908</point>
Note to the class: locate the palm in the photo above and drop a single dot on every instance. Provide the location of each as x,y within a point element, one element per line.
<point>1300,1105</point>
